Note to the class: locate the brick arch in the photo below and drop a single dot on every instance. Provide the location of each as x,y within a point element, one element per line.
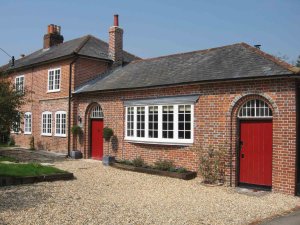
<point>239,100</point>
<point>232,119</point>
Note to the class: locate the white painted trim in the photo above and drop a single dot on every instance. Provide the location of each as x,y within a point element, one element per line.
<point>174,141</point>
<point>46,134</point>
<point>61,113</point>
<point>23,82</point>
<point>60,76</point>
<point>28,113</point>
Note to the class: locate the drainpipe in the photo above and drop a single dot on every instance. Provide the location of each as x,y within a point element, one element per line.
<point>69,104</point>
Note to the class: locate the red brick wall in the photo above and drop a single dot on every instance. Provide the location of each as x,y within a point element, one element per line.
<point>215,124</point>
<point>36,81</point>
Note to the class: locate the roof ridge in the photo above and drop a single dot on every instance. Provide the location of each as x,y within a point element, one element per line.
<point>86,39</point>
<point>272,58</point>
<point>185,53</point>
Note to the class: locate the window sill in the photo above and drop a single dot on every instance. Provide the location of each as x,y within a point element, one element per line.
<point>47,135</point>
<point>27,133</point>
<point>53,91</point>
<point>59,135</point>
<point>153,142</point>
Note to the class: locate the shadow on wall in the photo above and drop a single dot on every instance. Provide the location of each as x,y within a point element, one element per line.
<point>114,143</point>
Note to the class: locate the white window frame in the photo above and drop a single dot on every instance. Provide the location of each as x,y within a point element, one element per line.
<point>16,83</point>
<point>60,124</point>
<point>53,84</point>
<point>46,134</point>
<point>164,141</point>
<point>26,124</point>
<point>247,108</point>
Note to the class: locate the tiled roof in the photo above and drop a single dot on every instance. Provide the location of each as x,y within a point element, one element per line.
<point>86,46</point>
<point>237,61</point>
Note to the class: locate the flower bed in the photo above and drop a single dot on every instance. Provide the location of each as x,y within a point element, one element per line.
<point>179,173</point>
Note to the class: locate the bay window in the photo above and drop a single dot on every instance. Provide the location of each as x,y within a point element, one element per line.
<point>162,121</point>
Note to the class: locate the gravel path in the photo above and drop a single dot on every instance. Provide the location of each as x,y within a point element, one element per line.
<point>104,195</point>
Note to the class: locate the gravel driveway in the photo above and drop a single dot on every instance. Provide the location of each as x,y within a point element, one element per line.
<point>104,195</point>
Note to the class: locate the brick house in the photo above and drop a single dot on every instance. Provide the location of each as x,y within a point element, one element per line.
<point>50,75</point>
<point>236,97</point>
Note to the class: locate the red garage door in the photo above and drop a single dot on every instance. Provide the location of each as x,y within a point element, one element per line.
<point>256,152</point>
<point>97,139</point>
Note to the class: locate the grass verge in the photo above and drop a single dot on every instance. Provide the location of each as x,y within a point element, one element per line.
<point>25,170</point>
<point>8,158</point>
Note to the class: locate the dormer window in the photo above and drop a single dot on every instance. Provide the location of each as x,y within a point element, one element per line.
<point>54,80</point>
<point>19,83</point>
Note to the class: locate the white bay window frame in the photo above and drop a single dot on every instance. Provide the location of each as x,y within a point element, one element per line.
<point>160,140</point>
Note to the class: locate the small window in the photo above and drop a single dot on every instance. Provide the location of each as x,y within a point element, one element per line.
<point>255,108</point>
<point>140,129</point>
<point>153,121</point>
<point>184,121</point>
<point>168,122</point>
<point>54,80</point>
<point>96,112</point>
<point>27,123</point>
<point>130,121</point>
<point>47,123</point>
<point>19,83</point>
<point>16,126</point>
<point>60,123</point>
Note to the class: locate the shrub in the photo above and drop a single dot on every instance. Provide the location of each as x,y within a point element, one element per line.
<point>31,143</point>
<point>126,162</point>
<point>76,130</point>
<point>107,133</point>
<point>11,141</point>
<point>181,170</point>
<point>164,164</point>
<point>138,162</point>
<point>212,165</point>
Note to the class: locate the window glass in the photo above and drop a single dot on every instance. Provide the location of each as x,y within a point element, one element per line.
<point>54,80</point>
<point>27,123</point>
<point>153,122</point>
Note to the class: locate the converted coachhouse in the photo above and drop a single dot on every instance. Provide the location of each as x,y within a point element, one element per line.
<point>236,97</point>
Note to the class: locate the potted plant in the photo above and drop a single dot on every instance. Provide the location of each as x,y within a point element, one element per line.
<point>76,131</point>
<point>107,134</point>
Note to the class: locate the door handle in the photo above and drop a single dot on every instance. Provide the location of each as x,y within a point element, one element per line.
<point>243,155</point>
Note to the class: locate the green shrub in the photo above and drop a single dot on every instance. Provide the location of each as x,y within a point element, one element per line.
<point>126,162</point>
<point>138,162</point>
<point>76,130</point>
<point>31,143</point>
<point>212,165</point>
<point>107,133</point>
<point>164,164</point>
<point>181,170</point>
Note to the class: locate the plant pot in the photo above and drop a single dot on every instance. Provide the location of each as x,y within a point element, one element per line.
<point>108,160</point>
<point>75,154</point>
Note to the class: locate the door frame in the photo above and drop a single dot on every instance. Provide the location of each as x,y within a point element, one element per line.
<point>238,152</point>
<point>90,136</point>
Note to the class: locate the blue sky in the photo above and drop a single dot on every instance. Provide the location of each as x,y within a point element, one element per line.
<point>157,27</point>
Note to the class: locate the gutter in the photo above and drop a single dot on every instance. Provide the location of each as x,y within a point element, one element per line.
<point>69,102</point>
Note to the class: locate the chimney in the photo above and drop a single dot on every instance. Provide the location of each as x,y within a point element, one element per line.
<point>53,36</point>
<point>116,43</point>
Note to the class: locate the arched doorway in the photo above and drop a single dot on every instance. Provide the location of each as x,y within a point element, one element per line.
<point>96,132</point>
<point>255,144</point>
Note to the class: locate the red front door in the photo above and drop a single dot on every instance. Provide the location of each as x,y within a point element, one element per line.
<point>256,152</point>
<point>97,139</point>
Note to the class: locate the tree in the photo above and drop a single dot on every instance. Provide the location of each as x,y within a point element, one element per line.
<point>10,104</point>
<point>298,61</point>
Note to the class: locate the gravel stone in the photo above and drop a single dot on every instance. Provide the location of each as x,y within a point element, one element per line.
<point>105,195</point>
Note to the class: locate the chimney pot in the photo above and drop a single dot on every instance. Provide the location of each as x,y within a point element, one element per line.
<point>53,37</point>
<point>22,55</point>
<point>116,20</point>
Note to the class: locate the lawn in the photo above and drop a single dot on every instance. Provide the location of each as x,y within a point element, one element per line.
<point>24,170</point>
